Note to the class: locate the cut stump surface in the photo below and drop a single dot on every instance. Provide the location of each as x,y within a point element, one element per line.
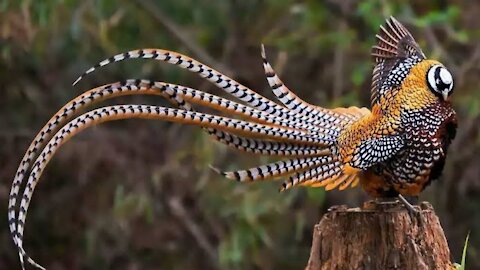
<point>379,236</point>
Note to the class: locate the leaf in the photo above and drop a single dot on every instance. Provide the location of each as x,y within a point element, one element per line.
<point>464,254</point>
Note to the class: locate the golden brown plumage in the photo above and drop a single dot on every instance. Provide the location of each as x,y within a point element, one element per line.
<point>396,148</point>
<point>400,146</point>
<point>386,123</point>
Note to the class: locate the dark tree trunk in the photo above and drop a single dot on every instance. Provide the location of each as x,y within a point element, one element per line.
<point>379,236</point>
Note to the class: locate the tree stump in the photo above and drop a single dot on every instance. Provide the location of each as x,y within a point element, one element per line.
<point>380,235</point>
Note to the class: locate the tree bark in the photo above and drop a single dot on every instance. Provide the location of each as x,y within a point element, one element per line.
<point>379,236</point>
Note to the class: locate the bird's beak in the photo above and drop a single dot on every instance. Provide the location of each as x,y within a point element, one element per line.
<point>445,94</point>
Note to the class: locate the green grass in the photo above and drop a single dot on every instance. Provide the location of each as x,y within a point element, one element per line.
<point>464,255</point>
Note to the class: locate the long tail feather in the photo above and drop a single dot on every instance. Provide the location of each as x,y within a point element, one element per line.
<point>293,102</point>
<point>271,170</point>
<point>328,169</point>
<point>229,85</point>
<point>225,105</point>
<point>270,148</point>
<point>250,145</point>
<point>305,132</point>
<point>127,88</point>
<point>142,111</point>
<point>330,118</point>
<point>63,115</point>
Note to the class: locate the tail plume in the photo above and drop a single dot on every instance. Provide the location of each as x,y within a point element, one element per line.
<point>305,134</point>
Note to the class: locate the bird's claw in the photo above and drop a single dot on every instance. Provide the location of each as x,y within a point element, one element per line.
<point>412,211</point>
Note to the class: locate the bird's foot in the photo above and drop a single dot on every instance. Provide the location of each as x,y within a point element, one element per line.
<point>412,211</point>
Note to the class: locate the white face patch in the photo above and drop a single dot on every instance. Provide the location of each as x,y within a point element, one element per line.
<point>446,77</point>
<point>440,80</point>
<point>431,78</point>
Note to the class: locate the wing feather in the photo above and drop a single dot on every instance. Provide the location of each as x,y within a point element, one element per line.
<point>395,45</point>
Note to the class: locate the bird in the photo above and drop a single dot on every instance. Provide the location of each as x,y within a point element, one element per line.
<point>394,149</point>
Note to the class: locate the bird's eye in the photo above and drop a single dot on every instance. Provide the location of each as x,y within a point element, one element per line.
<point>440,80</point>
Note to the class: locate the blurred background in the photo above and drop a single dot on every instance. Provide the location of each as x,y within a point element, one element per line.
<point>138,194</point>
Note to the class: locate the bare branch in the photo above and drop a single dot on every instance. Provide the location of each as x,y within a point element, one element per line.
<point>182,214</point>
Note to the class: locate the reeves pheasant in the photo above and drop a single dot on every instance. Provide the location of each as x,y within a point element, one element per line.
<point>396,148</point>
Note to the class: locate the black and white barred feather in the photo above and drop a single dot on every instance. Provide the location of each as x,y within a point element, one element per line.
<point>304,132</point>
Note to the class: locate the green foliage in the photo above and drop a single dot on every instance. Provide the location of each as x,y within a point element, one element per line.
<point>438,16</point>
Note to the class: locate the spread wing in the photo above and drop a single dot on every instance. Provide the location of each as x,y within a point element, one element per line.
<point>394,54</point>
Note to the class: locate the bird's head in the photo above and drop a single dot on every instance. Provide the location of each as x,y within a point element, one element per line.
<point>440,81</point>
<point>400,63</point>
